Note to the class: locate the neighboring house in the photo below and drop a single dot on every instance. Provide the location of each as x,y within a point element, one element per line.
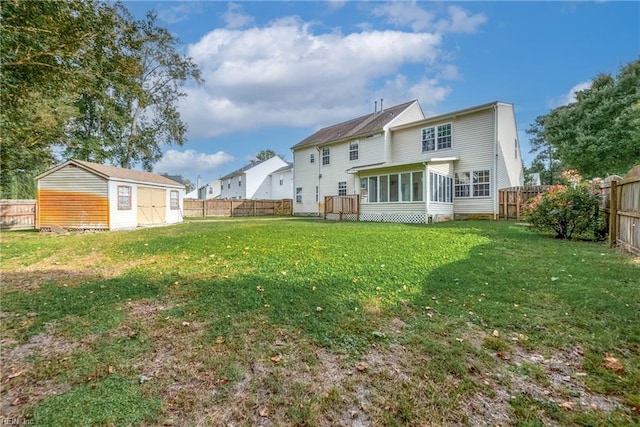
<point>84,195</point>
<point>277,185</point>
<point>252,181</point>
<point>427,169</point>
<point>207,191</point>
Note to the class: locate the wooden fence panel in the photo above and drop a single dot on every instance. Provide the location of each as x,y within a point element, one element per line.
<point>237,207</point>
<point>511,200</point>
<point>17,214</point>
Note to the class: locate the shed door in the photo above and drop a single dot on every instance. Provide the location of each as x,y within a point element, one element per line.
<point>152,205</point>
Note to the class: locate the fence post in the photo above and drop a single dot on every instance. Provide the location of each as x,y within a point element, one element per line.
<point>613,213</point>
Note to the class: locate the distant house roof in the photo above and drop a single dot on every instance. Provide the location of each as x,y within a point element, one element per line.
<point>243,169</point>
<point>177,178</point>
<point>115,172</point>
<point>284,168</point>
<point>362,126</point>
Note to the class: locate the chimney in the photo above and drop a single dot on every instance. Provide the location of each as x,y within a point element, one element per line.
<point>198,187</point>
<point>381,103</point>
<point>375,106</point>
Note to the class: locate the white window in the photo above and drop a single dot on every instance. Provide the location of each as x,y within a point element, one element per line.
<point>342,188</point>
<point>404,187</point>
<point>124,198</point>
<point>210,190</point>
<point>473,184</point>
<point>441,188</point>
<point>436,138</point>
<point>229,183</point>
<point>281,179</point>
<point>326,156</point>
<point>317,194</point>
<point>353,150</point>
<point>174,200</point>
<point>312,158</point>
<point>239,181</point>
<point>298,194</point>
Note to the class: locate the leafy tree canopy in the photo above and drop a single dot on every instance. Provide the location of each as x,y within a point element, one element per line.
<point>599,134</point>
<point>265,155</point>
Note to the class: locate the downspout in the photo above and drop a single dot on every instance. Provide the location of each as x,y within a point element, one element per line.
<point>495,167</point>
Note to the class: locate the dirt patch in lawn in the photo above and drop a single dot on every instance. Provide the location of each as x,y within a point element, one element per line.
<point>69,272</point>
<point>554,379</point>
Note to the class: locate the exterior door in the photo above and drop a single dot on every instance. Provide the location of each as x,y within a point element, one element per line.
<point>152,205</point>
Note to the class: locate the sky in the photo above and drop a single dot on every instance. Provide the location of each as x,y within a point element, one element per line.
<point>275,72</point>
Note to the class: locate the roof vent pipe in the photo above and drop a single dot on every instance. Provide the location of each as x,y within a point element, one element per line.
<point>381,103</point>
<point>375,106</point>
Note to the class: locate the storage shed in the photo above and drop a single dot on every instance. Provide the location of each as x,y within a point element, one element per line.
<point>82,195</point>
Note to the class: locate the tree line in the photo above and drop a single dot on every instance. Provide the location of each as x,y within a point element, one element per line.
<point>85,79</point>
<point>597,135</point>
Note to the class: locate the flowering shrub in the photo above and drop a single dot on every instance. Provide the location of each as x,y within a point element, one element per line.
<point>567,209</point>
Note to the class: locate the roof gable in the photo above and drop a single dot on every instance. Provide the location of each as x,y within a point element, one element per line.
<point>364,125</point>
<point>115,172</point>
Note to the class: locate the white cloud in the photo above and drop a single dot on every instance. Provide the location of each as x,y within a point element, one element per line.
<point>284,74</point>
<point>569,97</point>
<point>410,14</point>
<point>178,13</point>
<point>189,162</point>
<point>234,17</point>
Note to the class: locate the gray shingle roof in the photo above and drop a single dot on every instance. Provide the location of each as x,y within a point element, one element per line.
<point>361,126</point>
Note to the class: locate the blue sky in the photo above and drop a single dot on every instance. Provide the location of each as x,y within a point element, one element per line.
<point>275,72</point>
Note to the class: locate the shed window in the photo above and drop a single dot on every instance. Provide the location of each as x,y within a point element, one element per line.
<point>124,198</point>
<point>175,199</point>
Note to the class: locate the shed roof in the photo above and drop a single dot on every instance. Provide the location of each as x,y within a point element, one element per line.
<point>361,126</point>
<point>107,171</point>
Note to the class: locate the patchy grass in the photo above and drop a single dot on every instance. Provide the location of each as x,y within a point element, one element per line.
<point>306,322</point>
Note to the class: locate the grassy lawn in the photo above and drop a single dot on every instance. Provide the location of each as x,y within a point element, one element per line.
<point>305,322</point>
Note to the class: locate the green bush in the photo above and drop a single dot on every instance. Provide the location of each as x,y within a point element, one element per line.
<point>567,209</point>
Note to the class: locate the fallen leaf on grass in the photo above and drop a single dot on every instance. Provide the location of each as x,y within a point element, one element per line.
<point>260,288</point>
<point>15,374</point>
<point>496,333</point>
<point>566,405</point>
<point>185,323</point>
<point>111,369</point>
<point>223,381</point>
<point>264,412</point>
<point>319,309</point>
<point>219,339</point>
<point>276,359</point>
<point>503,355</point>
<point>362,366</point>
<point>613,363</point>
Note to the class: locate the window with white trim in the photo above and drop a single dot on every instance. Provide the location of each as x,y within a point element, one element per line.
<point>436,137</point>
<point>229,183</point>
<point>124,198</point>
<point>353,150</point>
<point>239,181</point>
<point>312,158</point>
<point>326,156</point>
<point>403,187</point>
<point>473,184</point>
<point>298,194</point>
<point>174,199</point>
<point>281,179</point>
<point>441,188</point>
<point>342,188</point>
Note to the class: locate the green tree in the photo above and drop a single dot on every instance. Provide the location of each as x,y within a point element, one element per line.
<point>546,162</point>
<point>265,155</point>
<point>599,134</point>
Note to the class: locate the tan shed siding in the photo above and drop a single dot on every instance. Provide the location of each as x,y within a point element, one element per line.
<point>73,198</point>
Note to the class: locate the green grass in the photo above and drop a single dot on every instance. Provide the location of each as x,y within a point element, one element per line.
<point>233,321</point>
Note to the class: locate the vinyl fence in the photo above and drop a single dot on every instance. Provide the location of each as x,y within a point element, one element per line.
<point>17,214</point>
<point>236,207</point>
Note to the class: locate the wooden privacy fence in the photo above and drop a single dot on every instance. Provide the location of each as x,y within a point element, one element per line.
<point>511,200</point>
<point>17,214</point>
<point>622,205</point>
<point>340,205</point>
<point>236,207</point>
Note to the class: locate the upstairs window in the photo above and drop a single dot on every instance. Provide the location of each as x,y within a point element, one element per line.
<point>326,156</point>
<point>239,181</point>
<point>281,179</point>
<point>436,138</point>
<point>353,150</point>
<point>312,158</point>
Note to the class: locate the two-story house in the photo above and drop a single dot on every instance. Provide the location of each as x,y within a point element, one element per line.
<point>256,181</point>
<point>420,170</point>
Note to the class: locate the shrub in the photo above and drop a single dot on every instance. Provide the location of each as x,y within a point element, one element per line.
<point>567,209</point>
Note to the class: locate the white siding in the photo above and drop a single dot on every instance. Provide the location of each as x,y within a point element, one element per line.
<point>510,170</point>
<point>234,187</point>
<point>284,191</point>
<point>257,175</point>
<point>305,176</point>
<point>123,219</point>
<point>438,211</point>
